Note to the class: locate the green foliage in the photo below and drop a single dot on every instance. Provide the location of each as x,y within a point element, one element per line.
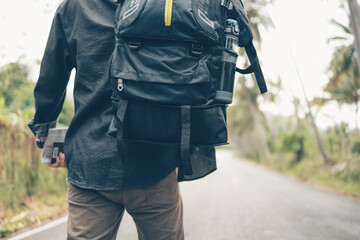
<point>344,83</point>
<point>14,79</point>
<point>240,118</point>
<point>246,122</point>
<point>67,112</point>
<point>17,103</point>
<point>356,147</point>
<point>290,141</point>
<point>24,179</point>
<point>293,142</point>
<point>21,173</point>
<point>272,145</point>
<point>16,93</point>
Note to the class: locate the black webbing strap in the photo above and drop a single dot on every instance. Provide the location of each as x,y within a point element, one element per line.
<point>254,67</point>
<point>227,4</point>
<point>185,140</point>
<point>120,115</point>
<point>249,69</point>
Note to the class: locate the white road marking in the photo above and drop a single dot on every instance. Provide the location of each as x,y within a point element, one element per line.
<point>40,229</point>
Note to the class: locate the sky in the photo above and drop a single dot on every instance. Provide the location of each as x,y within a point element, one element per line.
<point>301,27</point>
<point>299,38</point>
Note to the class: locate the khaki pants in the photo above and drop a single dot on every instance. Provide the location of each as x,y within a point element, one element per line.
<point>156,210</point>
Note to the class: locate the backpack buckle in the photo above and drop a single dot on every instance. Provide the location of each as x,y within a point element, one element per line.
<point>134,45</point>
<point>197,49</point>
<point>228,4</point>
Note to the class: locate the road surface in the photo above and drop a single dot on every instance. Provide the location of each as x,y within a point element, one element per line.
<point>242,201</point>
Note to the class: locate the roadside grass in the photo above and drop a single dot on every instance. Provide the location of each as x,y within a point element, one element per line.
<point>47,201</point>
<point>31,212</point>
<point>340,175</point>
<point>30,191</point>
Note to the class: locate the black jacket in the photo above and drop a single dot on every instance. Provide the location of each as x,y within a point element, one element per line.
<point>82,37</point>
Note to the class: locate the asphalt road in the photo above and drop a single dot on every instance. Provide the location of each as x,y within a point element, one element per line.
<point>242,201</point>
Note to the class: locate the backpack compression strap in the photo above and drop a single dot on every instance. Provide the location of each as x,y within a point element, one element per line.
<point>185,140</point>
<point>254,67</point>
<point>120,114</point>
<point>185,134</point>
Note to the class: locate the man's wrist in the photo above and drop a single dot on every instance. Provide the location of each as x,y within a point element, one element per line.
<point>40,130</point>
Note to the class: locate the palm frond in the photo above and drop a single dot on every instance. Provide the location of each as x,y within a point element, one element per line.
<point>346,29</point>
<point>337,38</point>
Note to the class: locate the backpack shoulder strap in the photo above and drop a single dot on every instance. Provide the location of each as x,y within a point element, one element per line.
<point>236,10</point>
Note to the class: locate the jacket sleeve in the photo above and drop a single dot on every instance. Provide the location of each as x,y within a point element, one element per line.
<point>50,89</point>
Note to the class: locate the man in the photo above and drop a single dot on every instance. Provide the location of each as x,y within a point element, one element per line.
<point>100,187</point>
<point>100,184</point>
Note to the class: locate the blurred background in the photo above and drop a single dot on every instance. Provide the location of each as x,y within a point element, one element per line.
<point>307,126</point>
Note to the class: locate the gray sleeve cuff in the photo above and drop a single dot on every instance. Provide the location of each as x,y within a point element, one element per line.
<point>41,129</point>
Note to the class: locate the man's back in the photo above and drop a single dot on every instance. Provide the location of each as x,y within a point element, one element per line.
<point>100,185</point>
<point>82,37</point>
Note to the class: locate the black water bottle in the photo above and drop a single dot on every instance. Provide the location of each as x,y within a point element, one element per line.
<point>225,88</point>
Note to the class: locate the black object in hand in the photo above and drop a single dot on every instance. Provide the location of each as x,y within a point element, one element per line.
<point>58,147</point>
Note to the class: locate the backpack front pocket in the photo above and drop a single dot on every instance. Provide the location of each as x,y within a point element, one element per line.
<point>161,73</point>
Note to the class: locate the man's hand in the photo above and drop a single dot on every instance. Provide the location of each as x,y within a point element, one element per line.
<point>60,162</point>
<point>40,142</point>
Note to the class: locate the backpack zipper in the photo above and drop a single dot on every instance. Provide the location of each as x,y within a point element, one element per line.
<point>168,12</point>
<point>120,84</point>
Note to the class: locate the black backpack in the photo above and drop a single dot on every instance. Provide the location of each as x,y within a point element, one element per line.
<point>165,69</point>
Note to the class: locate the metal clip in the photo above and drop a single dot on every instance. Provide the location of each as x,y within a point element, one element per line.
<point>120,84</point>
<point>197,49</point>
<point>134,45</point>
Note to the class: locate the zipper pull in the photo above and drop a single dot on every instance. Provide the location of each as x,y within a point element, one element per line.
<point>120,84</point>
<point>168,12</point>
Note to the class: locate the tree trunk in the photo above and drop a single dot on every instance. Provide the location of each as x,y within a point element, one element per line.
<point>260,132</point>
<point>342,141</point>
<point>341,134</point>
<point>296,109</point>
<point>316,131</point>
<point>355,25</point>
<point>356,119</point>
<point>300,152</point>
<point>317,135</point>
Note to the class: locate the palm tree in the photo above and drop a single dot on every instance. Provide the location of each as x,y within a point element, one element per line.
<point>355,26</point>
<point>344,83</point>
<point>354,15</point>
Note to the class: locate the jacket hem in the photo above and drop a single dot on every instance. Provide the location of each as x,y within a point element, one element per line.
<point>84,185</point>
